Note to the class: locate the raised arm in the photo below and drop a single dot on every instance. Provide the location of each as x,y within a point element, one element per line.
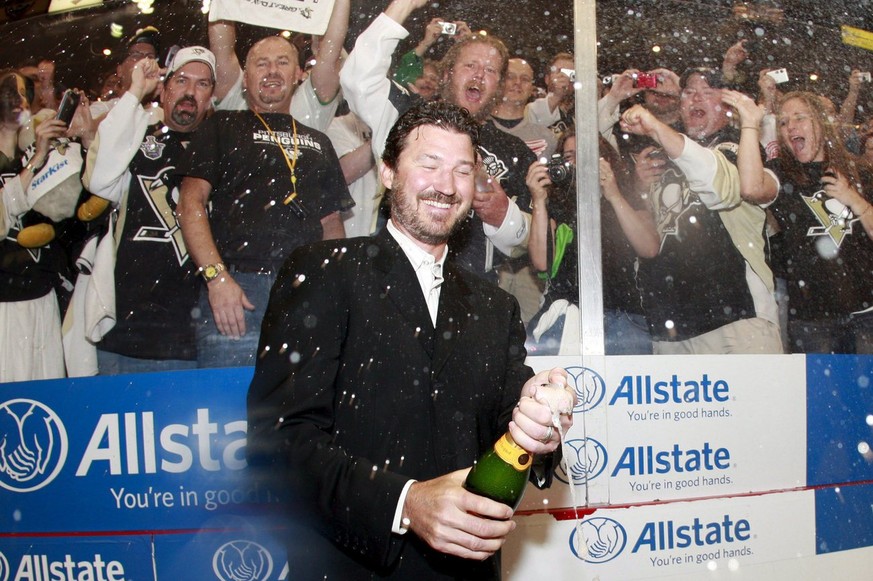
<point>222,43</point>
<point>757,186</point>
<point>364,77</point>
<point>325,73</point>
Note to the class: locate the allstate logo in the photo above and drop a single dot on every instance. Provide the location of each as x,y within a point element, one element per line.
<point>584,459</point>
<point>242,560</point>
<point>598,540</point>
<point>33,445</point>
<point>589,386</point>
<point>4,568</point>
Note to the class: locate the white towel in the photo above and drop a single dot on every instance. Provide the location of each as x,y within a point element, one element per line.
<point>80,354</point>
<point>100,298</point>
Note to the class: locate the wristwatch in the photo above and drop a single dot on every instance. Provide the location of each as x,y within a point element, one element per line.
<point>210,272</point>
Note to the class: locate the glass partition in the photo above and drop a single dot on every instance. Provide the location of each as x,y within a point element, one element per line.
<point>692,239</point>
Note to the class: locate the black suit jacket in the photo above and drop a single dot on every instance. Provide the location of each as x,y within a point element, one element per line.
<point>355,393</point>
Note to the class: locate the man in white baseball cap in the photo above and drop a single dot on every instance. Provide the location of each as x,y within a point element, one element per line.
<point>132,165</point>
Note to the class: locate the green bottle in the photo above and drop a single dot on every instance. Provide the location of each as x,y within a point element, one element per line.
<point>501,473</point>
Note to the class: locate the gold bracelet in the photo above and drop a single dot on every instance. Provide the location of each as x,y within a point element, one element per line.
<point>32,168</point>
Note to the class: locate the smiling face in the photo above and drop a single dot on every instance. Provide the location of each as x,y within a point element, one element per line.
<point>519,82</point>
<point>433,184</point>
<point>701,109</point>
<point>474,81</point>
<point>12,101</point>
<point>186,96</point>
<point>799,131</point>
<point>271,75</point>
<point>428,83</point>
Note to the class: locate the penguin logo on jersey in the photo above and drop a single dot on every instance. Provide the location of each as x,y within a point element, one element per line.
<point>673,200</point>
<point>162,199</point>
<point>835,218</point>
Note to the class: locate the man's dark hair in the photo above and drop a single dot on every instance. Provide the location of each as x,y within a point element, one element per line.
<point>713,77</point>
<point>436,113</point>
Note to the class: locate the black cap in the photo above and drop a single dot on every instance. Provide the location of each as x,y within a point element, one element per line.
<point>148,35</point>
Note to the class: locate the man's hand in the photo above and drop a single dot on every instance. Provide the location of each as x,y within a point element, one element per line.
<point>561,87</point>
<point>491,206</point>
<point>228,300</point>
<point>639,121</point>
<point>623,86</point>
<point>545,394</point>
<point>455,521</point>
<point>145,77</point>
<point>736,54</point>
<point>432,32</point>
<point>82,126</point>
<point>668,82</point>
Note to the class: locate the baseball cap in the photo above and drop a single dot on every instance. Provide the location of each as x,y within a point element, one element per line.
<point>191,54</point>
<point>148,35</point>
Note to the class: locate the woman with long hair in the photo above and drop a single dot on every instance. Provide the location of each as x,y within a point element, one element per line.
<point>825,215</point>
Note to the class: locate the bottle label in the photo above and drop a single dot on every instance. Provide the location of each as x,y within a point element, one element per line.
<point>512,453</point>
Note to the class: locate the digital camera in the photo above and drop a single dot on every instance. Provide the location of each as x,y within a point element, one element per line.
<point>560,171</point>
<point>449,28</point>
<point>645,80</point>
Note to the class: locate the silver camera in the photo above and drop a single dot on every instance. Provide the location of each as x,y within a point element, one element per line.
<point>449,28</point>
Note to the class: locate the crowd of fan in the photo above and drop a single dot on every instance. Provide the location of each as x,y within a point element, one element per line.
<point>144,232</point>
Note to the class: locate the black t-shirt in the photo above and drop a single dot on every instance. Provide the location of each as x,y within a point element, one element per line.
<point>156,283</point>
<point>826,256</point>
<point>697,283</point>
<point>250,178</point>
<point>620,291</point>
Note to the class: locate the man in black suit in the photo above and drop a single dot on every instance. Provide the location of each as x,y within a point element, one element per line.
<point>383,373</point>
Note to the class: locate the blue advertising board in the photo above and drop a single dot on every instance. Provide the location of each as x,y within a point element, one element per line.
<point>143,476</point>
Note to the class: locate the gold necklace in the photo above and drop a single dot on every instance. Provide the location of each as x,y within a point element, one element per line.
<point>291,200</point>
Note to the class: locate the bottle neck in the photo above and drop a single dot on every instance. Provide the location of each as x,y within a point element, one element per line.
<point>512,453</point>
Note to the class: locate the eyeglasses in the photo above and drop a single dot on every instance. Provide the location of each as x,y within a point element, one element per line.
<point>139,55</point>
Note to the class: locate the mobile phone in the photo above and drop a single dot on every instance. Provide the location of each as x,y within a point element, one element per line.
<point>571,74</point>
<point>779,75</point>
<point>449,28</point>
<point>67,108</point>
<point>171,54</point>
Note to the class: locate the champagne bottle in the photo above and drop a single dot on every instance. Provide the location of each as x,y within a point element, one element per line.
<point>501,473</point>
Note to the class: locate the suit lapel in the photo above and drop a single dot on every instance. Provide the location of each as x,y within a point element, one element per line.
<point>453,316</point>
<point>400,285</point>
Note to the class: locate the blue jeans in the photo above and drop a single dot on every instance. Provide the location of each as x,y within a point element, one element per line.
<point>626,334</point>
<point>217,350</point>
<point>847,335</point>
<point>109,363</point>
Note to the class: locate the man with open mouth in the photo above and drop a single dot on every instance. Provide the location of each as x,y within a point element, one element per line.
<point>473,74</point>
<point>709,289</point>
